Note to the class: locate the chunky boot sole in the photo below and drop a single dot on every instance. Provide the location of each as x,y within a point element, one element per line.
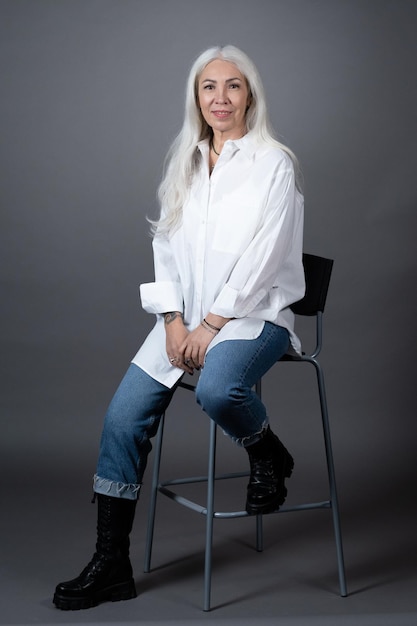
<point>114,593</point>
<point>276,499</point>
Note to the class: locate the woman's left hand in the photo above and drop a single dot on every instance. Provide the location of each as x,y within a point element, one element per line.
<point>194,347</point>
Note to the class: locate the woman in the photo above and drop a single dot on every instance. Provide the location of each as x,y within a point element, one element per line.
<point>227,253</point>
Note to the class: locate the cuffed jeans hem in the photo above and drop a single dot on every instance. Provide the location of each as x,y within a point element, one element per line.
<point>244,442</point>
<point>114,489</point>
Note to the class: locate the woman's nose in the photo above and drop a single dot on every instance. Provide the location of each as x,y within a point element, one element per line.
<point>221,95</point>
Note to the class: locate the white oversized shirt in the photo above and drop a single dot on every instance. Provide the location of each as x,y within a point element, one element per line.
<point>237,252</point>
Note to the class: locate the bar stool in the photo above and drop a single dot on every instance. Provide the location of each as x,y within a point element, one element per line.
<point>317,273</point>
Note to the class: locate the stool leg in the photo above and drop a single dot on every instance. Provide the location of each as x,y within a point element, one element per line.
<point>259,534</point>
<point>259,521</point>
<point>210,515</point>
<point>154,494</point>
<point>332,479</point>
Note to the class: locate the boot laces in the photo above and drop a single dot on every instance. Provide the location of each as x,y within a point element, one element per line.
<point>262,471</point>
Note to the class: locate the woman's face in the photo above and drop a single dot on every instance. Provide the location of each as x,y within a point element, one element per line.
<point>223,96</point>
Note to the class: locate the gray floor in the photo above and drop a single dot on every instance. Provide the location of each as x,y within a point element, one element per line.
<point>47,533</point>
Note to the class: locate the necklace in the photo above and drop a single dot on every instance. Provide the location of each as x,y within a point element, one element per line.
<point>214,149</point>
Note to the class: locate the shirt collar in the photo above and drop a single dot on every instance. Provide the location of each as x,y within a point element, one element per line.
<point>246,143</point>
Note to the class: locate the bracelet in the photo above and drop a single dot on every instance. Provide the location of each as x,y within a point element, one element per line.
<point>207,327</point>
<point>211,325</point>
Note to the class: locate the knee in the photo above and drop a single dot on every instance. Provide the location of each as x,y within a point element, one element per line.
<point>208,394</point>
<point>123,425</point>
<point>217,396</point>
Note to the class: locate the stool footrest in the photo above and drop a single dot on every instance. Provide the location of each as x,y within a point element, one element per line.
<point>201,479</point>
<point>194,506</point>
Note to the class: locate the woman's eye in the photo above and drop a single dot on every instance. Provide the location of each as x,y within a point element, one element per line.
<point>234,86</point>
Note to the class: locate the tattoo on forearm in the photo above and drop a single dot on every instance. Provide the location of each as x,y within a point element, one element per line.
<point>171,316</point>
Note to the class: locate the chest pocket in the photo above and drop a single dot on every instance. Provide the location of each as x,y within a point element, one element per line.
<point>236,220</point>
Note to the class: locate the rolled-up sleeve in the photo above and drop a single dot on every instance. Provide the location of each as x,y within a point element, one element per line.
<point>278,243</point>
<point>165,293</point>
<point>160,297</point>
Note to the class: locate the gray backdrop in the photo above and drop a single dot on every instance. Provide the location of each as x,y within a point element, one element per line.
<point>92,95</point>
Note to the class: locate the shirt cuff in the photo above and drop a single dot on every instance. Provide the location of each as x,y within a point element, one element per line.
<point>161,297</point>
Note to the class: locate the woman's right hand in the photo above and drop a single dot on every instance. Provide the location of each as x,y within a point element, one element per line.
<point>176,334</point>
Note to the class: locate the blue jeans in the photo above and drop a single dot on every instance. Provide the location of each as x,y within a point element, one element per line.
<point>224,391</point>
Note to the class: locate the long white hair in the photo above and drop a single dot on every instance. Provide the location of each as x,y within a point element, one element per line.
<point>183,158</point>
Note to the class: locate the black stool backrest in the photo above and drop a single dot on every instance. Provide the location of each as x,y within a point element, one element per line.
<point>317,272</point>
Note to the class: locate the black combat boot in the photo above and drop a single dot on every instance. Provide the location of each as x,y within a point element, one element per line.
<point>108,576</point>
<point>270,464</point>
